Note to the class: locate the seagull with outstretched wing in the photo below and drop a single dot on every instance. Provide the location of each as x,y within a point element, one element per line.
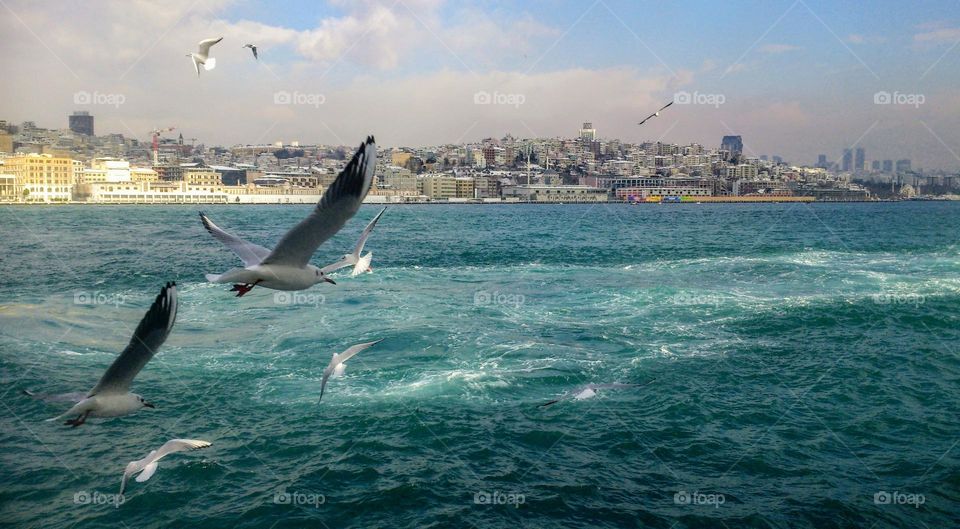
<point>287,266</point>
<point>655,114</point>
<point>111,396</point>
<point>338,363</point>
<point>253,48</point>
<point>359,264</point>
<point>148,465</point>
<point>202,56</point>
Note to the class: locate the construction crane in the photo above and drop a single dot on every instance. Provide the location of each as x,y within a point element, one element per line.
<point>156,142</point>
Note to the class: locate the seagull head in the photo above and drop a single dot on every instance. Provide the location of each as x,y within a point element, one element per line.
<point>320,277</point>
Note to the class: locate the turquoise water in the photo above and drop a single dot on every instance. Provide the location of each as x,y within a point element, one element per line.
<point>804,360</point>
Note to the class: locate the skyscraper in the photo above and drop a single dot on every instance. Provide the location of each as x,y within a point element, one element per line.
<point>588,133</point>
<point>888,166</point>
<point>903,166</point>
<point>875,165</point>
<point>860,161</point>
<point>847,160</point>
<point>81,122</point>
<point>733,144</point>
<point>822,161</point>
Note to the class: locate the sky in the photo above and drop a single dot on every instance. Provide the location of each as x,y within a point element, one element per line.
<point>795,78</point>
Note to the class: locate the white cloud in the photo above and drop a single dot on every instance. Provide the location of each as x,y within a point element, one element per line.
<point>771,49</point>
<point>941,35</point>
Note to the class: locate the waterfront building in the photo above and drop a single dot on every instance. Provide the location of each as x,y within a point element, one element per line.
<point>81,122</point>
<point>545,193</point>
<point>733,145</point>
<point>42,177</point>
<point>859,163</point>
<point>588,133</point>
<point>6,142</point>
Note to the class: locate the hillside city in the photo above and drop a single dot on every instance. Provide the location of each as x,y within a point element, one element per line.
<point>74,165</point>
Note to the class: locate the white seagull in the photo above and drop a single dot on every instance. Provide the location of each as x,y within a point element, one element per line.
<point>253,48</point>
<point>287,267</point>
<point>111,396</point>
<point>202,55</point>
<point>589,391</point>
<point>148,465</point>
<point>359,264</point>
<point>338,363</point>
<point>655,114</point>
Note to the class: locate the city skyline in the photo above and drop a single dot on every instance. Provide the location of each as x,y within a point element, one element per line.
<point>796,79</point>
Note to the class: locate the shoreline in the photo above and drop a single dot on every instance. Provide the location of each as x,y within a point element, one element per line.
<point>805,200</point>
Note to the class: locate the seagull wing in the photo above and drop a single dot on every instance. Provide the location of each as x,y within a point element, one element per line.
<point>342,263</point>
<point>149,336</point>
<point>196,65</point>
<point>340,202</point>
<point>254,50</point>
<point>354,349</point>
<point>203,48</point>
<point>178,445</point>
<point>646,119</point>
<point>251,254</point>
<point>366,233</point>
<point>665,106</point>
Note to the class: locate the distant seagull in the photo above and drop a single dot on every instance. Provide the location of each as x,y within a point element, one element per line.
<point>253,49</point>
<point>360,264</point>
<point>148,465</point>
<point>655,114</point>
<point>589,391</point>
<point>202,55</point>
<point>111,396</point>
<point>338,365</point>
<point>288,266</point>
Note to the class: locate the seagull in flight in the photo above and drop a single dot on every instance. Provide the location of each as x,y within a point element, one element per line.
<point>655,114</point>
<point>253,48</point>
<point>287,266</point>
<point>202,55</point>
<point>337,363</point>
<point>111,396</point>
<point>148,465</point>
<point>360,264</point>
<point>589,391</point>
